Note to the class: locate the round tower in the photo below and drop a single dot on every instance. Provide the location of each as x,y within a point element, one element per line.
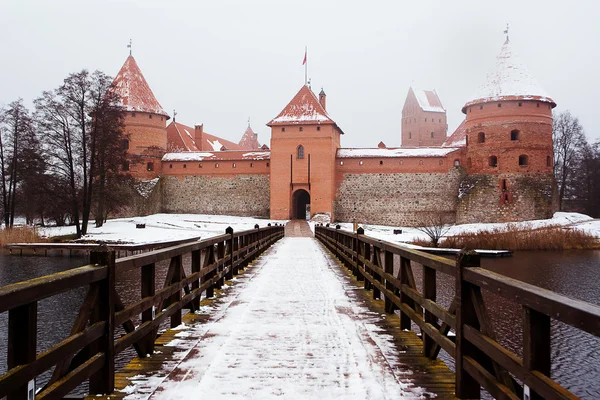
<point>509,146</point>
<point>145,122</point>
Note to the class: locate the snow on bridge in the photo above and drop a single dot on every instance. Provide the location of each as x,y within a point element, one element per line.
<point>290,329</point>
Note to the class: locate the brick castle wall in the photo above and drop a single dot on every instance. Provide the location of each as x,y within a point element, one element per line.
<point>401,199</point>
<point>243,194</point>
<point>506,198</point>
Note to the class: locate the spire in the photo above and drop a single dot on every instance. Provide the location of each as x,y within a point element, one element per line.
<point>249,140</point>
<point>510,80</point>
<point>134,91</point>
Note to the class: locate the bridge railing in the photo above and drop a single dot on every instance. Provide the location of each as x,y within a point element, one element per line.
<point>90,349</point>
<point>481,361</point>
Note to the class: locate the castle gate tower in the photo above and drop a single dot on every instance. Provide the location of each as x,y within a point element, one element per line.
<point>145,122</point>
<point>509,147</point>
<point>304,141</point>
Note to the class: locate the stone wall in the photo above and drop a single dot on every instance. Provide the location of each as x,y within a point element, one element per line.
<point>506,198</point>
<point>244,195</point>
<point>144,198</point>
<point>401,199</point>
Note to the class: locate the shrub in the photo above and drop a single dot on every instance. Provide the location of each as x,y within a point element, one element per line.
<point>21,234</point>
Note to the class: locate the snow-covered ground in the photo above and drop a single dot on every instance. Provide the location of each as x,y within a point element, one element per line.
<point>166,227</point>
<point>291,331</point>
<point>161,228</point>
<point>570,220</point>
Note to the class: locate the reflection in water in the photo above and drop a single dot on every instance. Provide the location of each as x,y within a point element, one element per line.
<point>575,355</point>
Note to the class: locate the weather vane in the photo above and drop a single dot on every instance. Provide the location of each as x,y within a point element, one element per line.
<point>129,46</point>
<point>506,32</point>
<point>174,114</point>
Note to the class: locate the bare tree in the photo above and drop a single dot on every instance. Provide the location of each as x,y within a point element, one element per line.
<point>569,140</point>
<point>16,136</point>
<point>434,224</point>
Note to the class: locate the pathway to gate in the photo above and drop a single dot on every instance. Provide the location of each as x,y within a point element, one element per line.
<point>296,327</point>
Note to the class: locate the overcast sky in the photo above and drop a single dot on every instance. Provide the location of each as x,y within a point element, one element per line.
<point>222,62</point>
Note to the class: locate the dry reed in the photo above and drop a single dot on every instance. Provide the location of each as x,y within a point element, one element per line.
<point>21,234</point>
<point>512,237</point>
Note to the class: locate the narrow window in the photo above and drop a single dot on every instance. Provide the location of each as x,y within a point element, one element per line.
<point>481,137</point>
<point>503,185</point>
<point>523,160</point>
<point>380,162</point>
<point>520,104</point>
<point>300,151</point>
<point>467,140</point>
<point>538,105</point>
<point>301,129</point>
<point>199,165</point>
<point>125,144</point>
<point>360,162</point>
<point>149,116</point>
<point>341,163</point>
<point>548,161</point>
<point>470,109</point>
<point>432,135</point>
<point>161,118</point>
<point>410,135</point>
<point>125,166</point>
<point>318,128</point>
<point>425,119</point>
<point>457,163</point>
<point>150,166</point>
<point>184,165</point>
<point>234,165</point>
<point>251,165</point>
<point>493,161</point>
<point>170,165</point>
<point>505,196</point>
<point>283,129</point>
<point>267,164</point>
<point>514,134</point>
<point>216,165</point>
<point>499,105</point>
<point>133,114</point>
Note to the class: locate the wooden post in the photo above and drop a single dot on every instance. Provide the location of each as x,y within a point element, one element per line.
<point>466,386</point>
<point>209,258</point>
<point>148,290</point>
<point>366,269</point>
<point>22,334</point>
<point>178,267</point>
<point>236,248</point>
<point>196,283</point>
<point>358,252</point>
<point>388,260</point>
<point>376,261</point>
<point>229,248</point>
<point>429,292</point>
<point>221,261</point>
<point>404,280</point>
<point>536,344</point>
<point>103,381</point>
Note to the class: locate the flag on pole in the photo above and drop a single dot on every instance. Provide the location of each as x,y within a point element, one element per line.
<point>304,61</point>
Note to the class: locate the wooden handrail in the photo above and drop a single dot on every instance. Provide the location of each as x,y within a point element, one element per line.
<point>481,362</point>
<point>89,351</point>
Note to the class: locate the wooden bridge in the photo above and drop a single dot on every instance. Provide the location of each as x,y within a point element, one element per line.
<point>383,269</point>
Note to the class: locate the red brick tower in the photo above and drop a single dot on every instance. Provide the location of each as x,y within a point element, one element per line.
<point>304,141</point>
<point>423,119</point>
<point>509,144</point>
<point>145,122</point>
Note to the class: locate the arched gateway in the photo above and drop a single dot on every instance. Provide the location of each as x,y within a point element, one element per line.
<point>301,204</point>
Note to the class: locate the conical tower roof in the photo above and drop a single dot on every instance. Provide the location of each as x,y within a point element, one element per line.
<point>303,109</point>
<point>249,139</point>
<point>510,80</point>
<point>134,91</point>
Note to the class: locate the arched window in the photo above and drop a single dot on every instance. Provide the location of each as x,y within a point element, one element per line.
<point>150,166</point>
<point>481,137</point>
<point>300,151</point>
<point>493,161</point>
<point>523,160</point>
<point>514,134</point>
<point>457,163</point>
<point>125,144</point>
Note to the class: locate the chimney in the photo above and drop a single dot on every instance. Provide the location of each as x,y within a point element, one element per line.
<point>323,99</point>
<point>198,136</point>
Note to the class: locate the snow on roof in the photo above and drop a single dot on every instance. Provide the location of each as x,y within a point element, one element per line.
<point>134,91</point>
<point>428,100</point>
<point>399,152</point>
<point>249,139</point>
<point>510,80</point>
<point>458,138</point>
<point>217,155</point>
<point>304,107</point>
<point>215,144</point>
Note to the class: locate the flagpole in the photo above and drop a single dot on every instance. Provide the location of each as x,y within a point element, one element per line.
<point>306,65</point>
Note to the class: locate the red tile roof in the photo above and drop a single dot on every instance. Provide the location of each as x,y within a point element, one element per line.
<point>182,138</point>
<point>134,91</point>
<point>249,139</point>
<point>303,109</point>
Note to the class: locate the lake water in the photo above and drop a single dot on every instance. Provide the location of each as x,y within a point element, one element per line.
<point>575,355</point>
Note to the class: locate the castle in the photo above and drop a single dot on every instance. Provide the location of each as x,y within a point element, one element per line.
<point>497,166</point>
